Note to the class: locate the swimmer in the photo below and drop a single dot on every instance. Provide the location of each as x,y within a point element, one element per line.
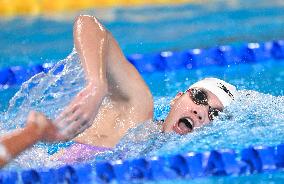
<point>109,75</point>
<point>95,126</point>
<point>38,128</point>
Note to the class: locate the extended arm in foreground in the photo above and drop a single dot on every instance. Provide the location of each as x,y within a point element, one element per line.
<point>38,128</point>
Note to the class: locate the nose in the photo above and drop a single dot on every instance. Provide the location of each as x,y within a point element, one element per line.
<point>197,115</point>
<point>200,114</point>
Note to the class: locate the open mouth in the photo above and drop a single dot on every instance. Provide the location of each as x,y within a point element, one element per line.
<point>183,125</point>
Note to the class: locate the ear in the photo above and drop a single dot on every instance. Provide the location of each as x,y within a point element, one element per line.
<point>179,94</point>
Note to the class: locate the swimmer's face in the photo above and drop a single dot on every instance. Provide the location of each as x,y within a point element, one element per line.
<point>186,114</point>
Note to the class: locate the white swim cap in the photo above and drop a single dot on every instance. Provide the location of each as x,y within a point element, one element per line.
<point>224,91</point>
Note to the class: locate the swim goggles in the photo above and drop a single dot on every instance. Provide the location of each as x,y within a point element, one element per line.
<point>200,97</point>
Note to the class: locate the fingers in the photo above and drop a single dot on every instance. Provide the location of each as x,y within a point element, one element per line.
<point>41,122</point>
<point>31,117</point>
<point>70,117</point>
<point>74,119</point>
<point>75,128</point>
<point>73,125</point>
<point>70,109</point>
<point>38,118</point>
<point>67,112</point>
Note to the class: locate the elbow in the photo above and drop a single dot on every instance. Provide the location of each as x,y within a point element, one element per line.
<point>83,19</point>
<point>90,23</point>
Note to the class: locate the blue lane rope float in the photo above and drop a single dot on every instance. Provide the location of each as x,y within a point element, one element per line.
<point>191,165</point>
<point>169,60</point>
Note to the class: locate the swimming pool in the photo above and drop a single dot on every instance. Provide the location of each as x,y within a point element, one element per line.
<point>193,30</point>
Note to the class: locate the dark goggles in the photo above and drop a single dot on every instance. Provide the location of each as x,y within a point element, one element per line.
<point>199,97</point>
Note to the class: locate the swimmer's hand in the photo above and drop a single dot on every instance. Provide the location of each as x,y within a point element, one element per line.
<point>81,112</point>
<point>43,128</point>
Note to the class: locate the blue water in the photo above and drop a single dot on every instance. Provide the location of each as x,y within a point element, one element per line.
<point>257,118</point>
<point>35,40</point>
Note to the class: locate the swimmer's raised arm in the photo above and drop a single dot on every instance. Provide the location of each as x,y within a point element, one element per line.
<point>105,64</point>
<point>90,39</point>
<point>107,71</point>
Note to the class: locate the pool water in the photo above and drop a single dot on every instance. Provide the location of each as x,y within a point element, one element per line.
<point>255,118</point>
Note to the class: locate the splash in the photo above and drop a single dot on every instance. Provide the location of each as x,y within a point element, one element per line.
<point>48,93</point>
